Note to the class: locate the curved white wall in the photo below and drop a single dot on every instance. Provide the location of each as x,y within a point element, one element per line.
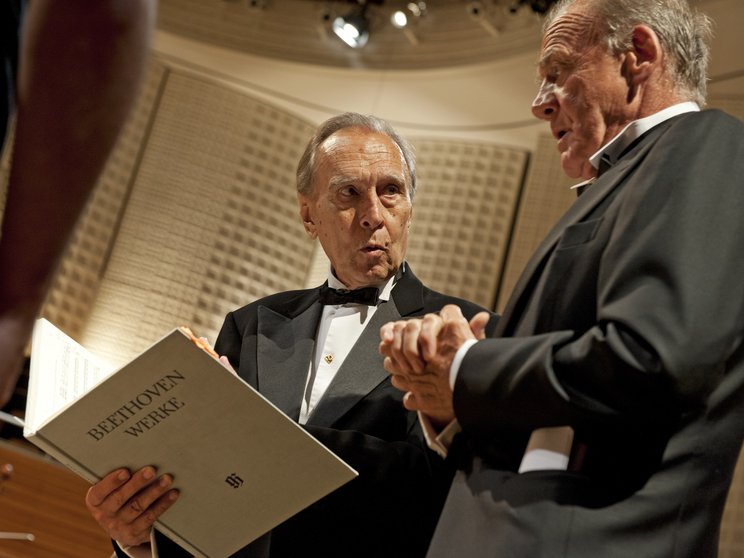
<point>486,102</point>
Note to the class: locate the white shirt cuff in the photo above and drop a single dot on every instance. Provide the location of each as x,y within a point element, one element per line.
<point>548,449</point>
<point>144,550</point>
<point>457,361</point>
<point>438,442</point>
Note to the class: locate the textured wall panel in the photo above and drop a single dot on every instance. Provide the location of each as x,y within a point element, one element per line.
<point>733,104</point>
<point>545,198</point>
<point>463,213</point>
<point>212,221</point>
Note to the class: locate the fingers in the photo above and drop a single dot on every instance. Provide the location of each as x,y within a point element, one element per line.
<point>108,484</point>
<point>452,314</point>
<point>226,363</point>
<point>427,339</point>
<point>478,324</point>
<point>126,505</point>
<point>408,344</point>
<point>399,347</point>
<point>440,411</point>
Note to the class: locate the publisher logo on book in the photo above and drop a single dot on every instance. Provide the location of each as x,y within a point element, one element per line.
<point>234,480</point>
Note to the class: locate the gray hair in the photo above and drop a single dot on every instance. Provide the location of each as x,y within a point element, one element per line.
<point>684,34</point>
<point>306,166</point>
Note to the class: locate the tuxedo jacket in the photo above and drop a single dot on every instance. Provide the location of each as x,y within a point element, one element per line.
<point>626,325</point>
<point>391,508</point>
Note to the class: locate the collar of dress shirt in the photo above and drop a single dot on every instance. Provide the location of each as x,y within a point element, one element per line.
<point>615,147</point>
<point>385,287</point>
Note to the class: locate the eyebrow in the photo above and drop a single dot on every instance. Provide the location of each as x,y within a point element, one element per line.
<point>339,181</point>
<point>548,56</point>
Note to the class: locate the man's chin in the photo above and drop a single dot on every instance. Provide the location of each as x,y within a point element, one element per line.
<point>378,274</point>
<point>580,170</point>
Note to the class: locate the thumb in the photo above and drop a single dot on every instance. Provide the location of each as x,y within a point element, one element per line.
<point>226,363</point>
<point>478,324</point>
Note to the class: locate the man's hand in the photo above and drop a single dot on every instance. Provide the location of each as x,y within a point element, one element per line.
<point>419,353</point>
<point>126,505</point>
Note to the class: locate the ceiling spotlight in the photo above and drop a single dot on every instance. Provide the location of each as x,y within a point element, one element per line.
<point>399,19</point>
<point>417,8</point>
<point>408,17</point>
<point>354,28</point>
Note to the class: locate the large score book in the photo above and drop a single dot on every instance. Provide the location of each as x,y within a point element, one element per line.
<point>241,465</point>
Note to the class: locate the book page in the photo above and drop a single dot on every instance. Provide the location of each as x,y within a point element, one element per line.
<point>61,370</point>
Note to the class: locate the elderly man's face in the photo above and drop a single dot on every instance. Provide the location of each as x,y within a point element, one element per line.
<point>360,207</point>
<point>583,93</point>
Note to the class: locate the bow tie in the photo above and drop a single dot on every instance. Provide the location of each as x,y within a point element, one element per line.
<point>367,295</point>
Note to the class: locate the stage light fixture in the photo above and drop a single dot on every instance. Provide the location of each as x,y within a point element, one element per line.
<point>353,29</point>
<point>399,19</point>
<point>408,17</point>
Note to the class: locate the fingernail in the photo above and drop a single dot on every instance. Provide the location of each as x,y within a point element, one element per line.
<point>173,494</point>
<point>165,481</point>
<point>148,473</point>
<point>123,475</point>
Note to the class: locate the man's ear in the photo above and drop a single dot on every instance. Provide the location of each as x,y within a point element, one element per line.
<point>306,216</point>
<point>645,56</point>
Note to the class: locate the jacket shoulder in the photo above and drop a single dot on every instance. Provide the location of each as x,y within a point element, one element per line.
<point>279,302</point>
<point>435,301</point>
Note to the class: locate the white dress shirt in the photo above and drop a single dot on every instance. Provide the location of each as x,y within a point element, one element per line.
<point>340,327</point>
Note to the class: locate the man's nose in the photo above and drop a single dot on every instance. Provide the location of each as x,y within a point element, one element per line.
<point>545,104</point>
<point>372,212</point>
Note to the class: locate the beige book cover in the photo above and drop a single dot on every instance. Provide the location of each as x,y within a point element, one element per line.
<point>242,466</point>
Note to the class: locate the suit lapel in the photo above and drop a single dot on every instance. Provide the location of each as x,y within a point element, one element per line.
<point>589,200</point>
<point>285,347</point>
<point>362,369</point>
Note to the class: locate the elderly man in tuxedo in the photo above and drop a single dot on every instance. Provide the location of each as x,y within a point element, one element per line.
<point>606,414</point>
<point>313,353</point>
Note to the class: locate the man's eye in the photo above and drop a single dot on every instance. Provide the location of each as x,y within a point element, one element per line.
<point>348,191</point>
<point>391,189</point>
<point>553,74</point>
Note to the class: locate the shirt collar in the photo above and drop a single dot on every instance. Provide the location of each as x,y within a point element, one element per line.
<point>386,287</point>
<point>613,149</point>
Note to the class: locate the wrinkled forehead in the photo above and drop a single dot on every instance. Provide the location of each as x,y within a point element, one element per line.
<point>358,140</point>
<point>353,155</point>
<point>573,31</point>
<point>362,146</point>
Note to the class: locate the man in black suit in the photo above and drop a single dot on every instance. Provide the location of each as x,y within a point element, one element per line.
<point>605,416</point>
<point>314,355</point>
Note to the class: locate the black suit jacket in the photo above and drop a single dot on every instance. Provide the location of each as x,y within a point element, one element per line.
<point>389,510</point>
<point>627,325</point>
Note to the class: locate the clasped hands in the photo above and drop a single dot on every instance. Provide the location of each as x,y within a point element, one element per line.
<point>418,355</point>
